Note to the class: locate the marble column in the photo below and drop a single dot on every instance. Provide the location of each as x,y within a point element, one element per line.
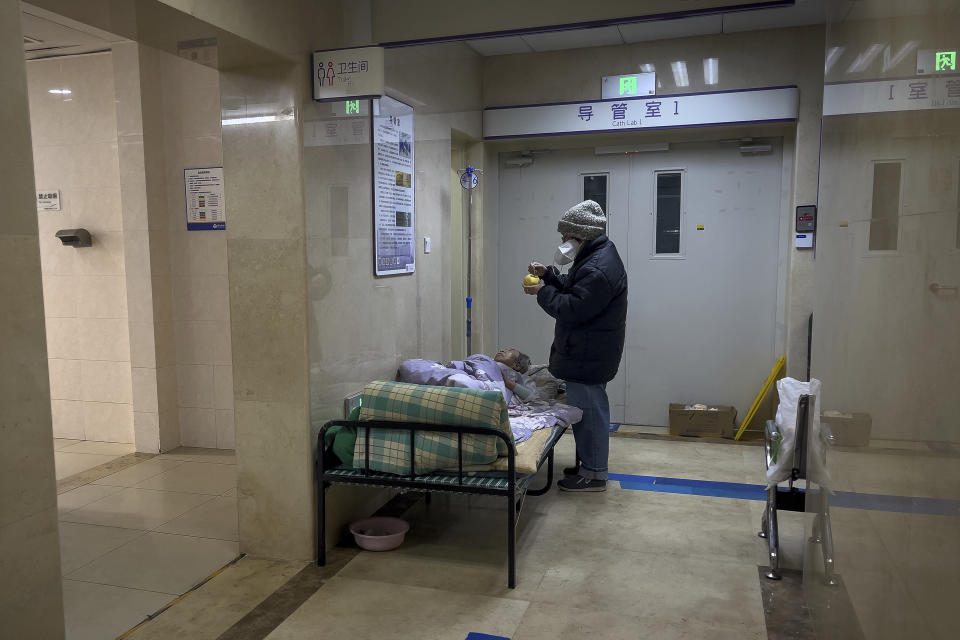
<point>31,600</point>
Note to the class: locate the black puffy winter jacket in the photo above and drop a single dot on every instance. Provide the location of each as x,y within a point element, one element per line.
<point>590,306</point>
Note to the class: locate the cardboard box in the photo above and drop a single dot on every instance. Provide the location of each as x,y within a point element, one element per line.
<point>850,429</point>
<point>693,422</point>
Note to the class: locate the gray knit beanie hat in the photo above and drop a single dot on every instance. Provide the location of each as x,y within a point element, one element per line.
<point>584,221</point>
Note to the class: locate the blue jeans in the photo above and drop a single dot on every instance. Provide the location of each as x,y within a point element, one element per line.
<point>592,433</point>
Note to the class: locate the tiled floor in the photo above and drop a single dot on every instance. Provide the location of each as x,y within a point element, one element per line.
<point>617,565</point>
<point>74,456</point>
<point>133,541</point>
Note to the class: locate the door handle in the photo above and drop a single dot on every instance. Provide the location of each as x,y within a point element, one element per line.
<point>936,287</point>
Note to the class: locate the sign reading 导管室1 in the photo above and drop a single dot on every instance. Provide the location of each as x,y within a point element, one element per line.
<point>629,86</point>
<point>393,188</point>
<point>899,94</point>
<point>775,104</point>
<point>348,73</point>
<point>203,191</point>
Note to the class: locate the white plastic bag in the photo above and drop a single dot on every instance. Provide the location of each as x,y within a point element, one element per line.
<point>783,449</point>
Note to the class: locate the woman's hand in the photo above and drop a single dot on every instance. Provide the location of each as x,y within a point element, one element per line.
<point>532,289</point>
<point>537,269</point>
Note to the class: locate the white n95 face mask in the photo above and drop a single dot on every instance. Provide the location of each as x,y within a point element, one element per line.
<point>567,252</point>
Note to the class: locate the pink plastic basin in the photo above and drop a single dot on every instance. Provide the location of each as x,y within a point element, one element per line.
<point>379,534</point>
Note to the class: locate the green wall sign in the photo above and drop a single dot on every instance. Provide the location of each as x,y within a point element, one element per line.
<point>946,61</point>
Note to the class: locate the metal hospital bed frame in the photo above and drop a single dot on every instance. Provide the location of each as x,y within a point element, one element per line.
<point>791,498</point>
<point>506,484</point>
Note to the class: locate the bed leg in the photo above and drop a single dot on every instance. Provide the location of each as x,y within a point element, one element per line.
<point>321,521</point>
<point>511,540</point>
<point>546,488</point>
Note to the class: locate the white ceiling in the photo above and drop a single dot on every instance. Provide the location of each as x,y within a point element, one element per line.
<point>804,12</point>
<point>46,35</point>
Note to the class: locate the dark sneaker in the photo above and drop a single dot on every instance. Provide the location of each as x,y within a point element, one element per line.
<point>571,471</point>
<point>579,483</point>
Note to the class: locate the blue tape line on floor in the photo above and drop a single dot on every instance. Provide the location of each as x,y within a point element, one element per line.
<point>614,426</point>
<point>758,492</point>
<point>484,636</point>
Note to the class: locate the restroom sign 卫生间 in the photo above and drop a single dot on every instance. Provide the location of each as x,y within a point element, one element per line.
<point>348,73</point>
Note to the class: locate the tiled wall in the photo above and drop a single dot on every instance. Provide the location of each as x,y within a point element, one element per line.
<point>75,151</point>
<point>198,259</point>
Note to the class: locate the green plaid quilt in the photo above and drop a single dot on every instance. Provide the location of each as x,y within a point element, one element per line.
<point>403,402</point>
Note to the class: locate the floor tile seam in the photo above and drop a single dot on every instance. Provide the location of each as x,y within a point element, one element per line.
<point>66,511</point>
<point>261,620</point>
<point>121,586</point>
<point>185,535</point>
<point>219,464</point>
<point>340,577</point>
<point>185,493</point>
<point>209,498</point>
<point>105,553</point>
<point>165,456</point>
<point>199,493</point>
<point>190,535</point>
<point>71,479</point>
<point>98,524</point>
<point>92,453</point>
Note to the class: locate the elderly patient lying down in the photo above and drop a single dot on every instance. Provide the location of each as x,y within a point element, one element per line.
<point>504,372</point>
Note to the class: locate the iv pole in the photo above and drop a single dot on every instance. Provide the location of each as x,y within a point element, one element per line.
<point>469,181</point>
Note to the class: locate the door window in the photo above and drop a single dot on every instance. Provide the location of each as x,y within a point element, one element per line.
<point>595,188</point>
<point>668,212</point>
<point>885,206</point>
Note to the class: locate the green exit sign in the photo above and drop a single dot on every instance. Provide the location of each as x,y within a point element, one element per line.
<point>946,61</point>
<point>353,107</point>
<point>631,85</point>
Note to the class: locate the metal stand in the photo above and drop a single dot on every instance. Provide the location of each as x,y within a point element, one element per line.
<point>793,499</point>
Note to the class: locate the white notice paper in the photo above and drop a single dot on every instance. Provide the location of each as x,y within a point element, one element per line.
<point>48,200</point>
<point>393,188</point>
<point>203,189</point>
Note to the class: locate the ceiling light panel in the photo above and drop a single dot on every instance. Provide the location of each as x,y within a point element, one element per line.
<point>667,29</point>
<point>499,46</point>
<point>574,39</point>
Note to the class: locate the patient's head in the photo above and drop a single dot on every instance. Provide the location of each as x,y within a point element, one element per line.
<point>514,359</point>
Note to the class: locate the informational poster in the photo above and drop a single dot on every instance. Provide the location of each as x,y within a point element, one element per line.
<point>393,188</point>
<point>203,189</point>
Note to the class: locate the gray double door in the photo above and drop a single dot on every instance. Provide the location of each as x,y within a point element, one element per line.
<point>698,228</point>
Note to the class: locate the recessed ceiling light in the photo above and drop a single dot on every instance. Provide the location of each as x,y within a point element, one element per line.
<point>833,54</point>
<point>679,69</point>
<point>711,70</point>
<point>864,59</point>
